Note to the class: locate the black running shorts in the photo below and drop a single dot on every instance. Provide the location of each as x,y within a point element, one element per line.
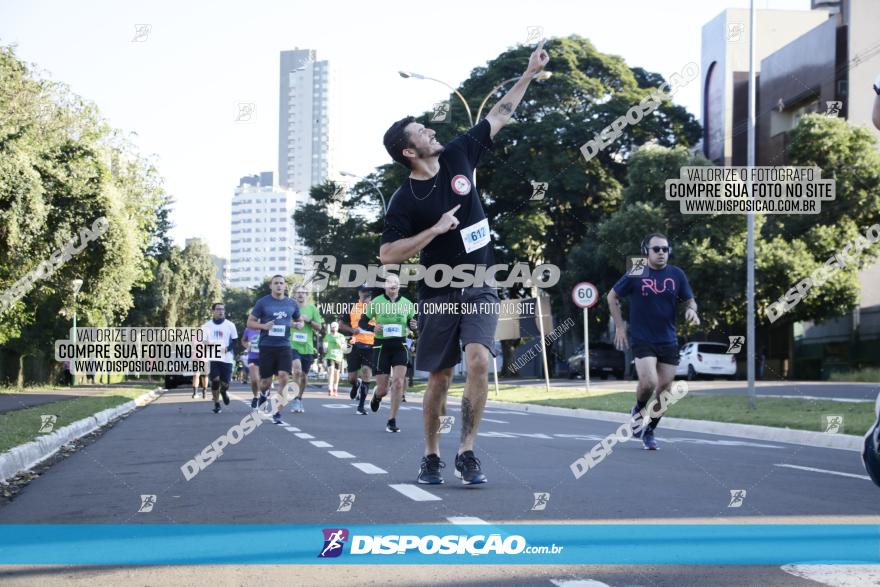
<point>275,359</point>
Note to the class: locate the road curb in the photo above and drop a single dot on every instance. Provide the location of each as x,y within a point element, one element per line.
<point>26,456</point>
<point>750,431</point>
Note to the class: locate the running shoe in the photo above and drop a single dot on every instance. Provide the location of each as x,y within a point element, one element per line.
<point>263,399</point>
<point>297,406</point>
<point>354,388</point>
<point>276,419</point>
<point>871,447</point>
<point>361,411</point>
<point>217,408</point>
<point>648,439</point>
<point>374,403</point>
<point>467,468</point>
<point>637,425</point>
<point>429,470</point>
<point>391,426</point>
<point>194,392</point>
<point>254,403</point>
<point>224,395</point>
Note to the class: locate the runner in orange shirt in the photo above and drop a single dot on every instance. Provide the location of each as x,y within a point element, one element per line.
<point>360,359</point>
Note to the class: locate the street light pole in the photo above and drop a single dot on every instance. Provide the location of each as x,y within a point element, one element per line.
<point>369,181</point>
<point>75,285</point>
<point>750,221</point>
<point>467,108</point>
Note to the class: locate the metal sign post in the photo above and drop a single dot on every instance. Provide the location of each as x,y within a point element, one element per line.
<point>586,295</point>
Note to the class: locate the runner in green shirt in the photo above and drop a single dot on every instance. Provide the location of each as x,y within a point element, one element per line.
<point>303,345</point>
<point>394,314</point>
<point>336,347</point>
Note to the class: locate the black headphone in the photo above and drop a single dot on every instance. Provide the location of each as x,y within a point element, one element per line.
<point>648,238</point>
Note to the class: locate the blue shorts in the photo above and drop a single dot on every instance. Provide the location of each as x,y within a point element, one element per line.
<point>220,370</point>
<point>305,361</point>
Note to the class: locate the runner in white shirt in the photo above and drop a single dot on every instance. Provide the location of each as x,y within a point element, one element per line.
<point>220,331</point>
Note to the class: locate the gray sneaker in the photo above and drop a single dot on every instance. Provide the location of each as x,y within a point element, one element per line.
<point>297,406</point>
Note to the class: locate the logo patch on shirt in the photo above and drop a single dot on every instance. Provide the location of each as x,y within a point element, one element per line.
<point>461,185</point>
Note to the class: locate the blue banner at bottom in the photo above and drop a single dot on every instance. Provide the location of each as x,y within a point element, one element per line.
<point>559,544</point>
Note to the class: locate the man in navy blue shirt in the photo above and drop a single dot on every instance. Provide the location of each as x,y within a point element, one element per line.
<point>273,315</point>
<point>654,293</point>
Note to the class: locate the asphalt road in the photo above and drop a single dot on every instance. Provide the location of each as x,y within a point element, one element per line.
<point>293,474</point>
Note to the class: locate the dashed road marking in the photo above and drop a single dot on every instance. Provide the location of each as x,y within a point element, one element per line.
<point>341,454</point>
<point>369,468</point>
<point>414,492</point>
<point>321,444</point>
<point>303,435</point>
<point>467,520</point>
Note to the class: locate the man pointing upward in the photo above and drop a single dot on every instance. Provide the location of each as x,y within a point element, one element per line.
<point>438,214</point>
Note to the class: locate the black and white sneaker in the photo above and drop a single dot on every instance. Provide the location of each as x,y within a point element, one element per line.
<point>429,470</point>
<point>217,408</point>
<point>467,468</point>
<point>391,426</point>
<point>354,388</point>
<point>224,395</point>
<point>360,411</point>
<point>374,403</point>
<point>871,447</point>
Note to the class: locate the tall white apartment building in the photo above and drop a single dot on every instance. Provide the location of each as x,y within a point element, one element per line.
<point>263,239</point>
<point>307,121</point>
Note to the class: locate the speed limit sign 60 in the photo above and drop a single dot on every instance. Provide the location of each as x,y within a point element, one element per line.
<point>585,295</point>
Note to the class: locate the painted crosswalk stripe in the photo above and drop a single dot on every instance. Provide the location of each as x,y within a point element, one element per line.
<point>341,454</point>
<point>291,429</point>
<point>466,520</point>
<point>303,435</point>
<point>370,468</point>
<point>321,444</point>
<point>414,493</point>
<point>826,471</point>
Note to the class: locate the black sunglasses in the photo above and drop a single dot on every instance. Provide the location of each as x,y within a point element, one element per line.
<point>658,249</point>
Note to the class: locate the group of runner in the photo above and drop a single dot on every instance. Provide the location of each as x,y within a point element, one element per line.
<point>279,343</point>
<point>437,214</point>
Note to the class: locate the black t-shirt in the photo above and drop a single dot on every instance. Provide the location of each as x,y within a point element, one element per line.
<point>409,214</point>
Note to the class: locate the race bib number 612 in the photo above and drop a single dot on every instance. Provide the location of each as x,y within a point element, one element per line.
<point>476,235</point>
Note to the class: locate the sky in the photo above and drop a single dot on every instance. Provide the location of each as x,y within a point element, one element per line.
<point>177,82</point>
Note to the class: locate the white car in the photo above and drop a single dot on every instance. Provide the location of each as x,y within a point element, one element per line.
<point>706,359</point>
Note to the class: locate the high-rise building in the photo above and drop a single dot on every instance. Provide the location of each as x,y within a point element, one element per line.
<point>263,239</point>
<point>306,122</point>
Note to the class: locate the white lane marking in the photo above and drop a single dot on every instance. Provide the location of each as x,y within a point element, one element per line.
<point>495,421</point>
<point>341,454</point>
<point>466,520</point>
<point>596,437</point>
<point>414,492</point>
<point>291,429</point>
<point>578,583</point>
<point>321,444</point>
<point>303,435</point>
<point>814,470</point>
<point>369,468</point>
<point>338,406</point>
<point>837,575</point>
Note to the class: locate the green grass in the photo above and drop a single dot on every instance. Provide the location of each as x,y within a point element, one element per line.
<point>782,413</point>
<point>867,375</point>
<point>21,426</point>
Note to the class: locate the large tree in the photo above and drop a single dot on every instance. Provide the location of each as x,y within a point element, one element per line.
<point>61,169</point>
